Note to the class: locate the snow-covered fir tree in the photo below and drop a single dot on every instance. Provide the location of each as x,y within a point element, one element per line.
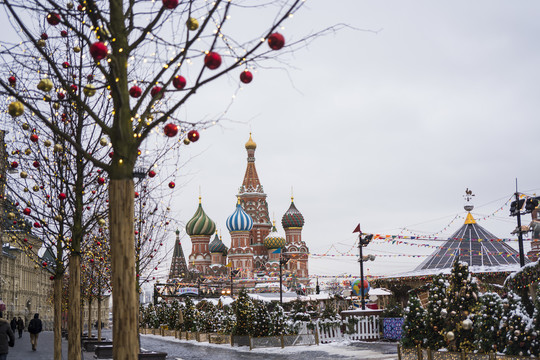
<point>190,315</point>
<point>434,321</point>
<point>277,320</point>
<point>534,332</point>
<point>487,324</point>
<point>243,309</point>
<point>206,321</point>
<point>260,321</point>
<point>462,295</point>
<point>414,326</point>
<point>516,326</point>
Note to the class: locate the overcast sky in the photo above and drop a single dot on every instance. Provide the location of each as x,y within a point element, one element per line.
<point>387,129</point>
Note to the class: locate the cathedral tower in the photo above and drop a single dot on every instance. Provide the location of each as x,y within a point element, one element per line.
<point>178,264</point>
<point>253,200</point>
<point>297,251</point>
<point>241,253</point>
<point>199,229</point>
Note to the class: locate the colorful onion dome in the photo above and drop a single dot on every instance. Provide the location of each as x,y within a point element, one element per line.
<point>217,246</point>
<point>200,223</point>
<point>292,218</point>
<point>274,240</point>
<point>239,220</point>
<point>250,143</point>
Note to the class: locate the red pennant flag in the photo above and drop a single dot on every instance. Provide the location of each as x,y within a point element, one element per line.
<point>357,229</point>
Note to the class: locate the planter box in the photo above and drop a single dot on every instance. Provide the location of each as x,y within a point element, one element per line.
<point>203,337</point>
<point>104,352</point>
<point>242,340</point>
<point>191,335</point>
<point>152,355</point>
<point>90,345</point>
<point>219,339</point>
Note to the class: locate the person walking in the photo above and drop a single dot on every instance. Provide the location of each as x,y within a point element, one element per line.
<point>34,328</point>
<point>7,339</point>
<point>13,324</point>
<point>20,326</point>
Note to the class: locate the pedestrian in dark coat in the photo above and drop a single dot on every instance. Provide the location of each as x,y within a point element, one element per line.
<point>13,324</point>
<point>7,338</point>
<point>34,328</point>
<point>20,326</point>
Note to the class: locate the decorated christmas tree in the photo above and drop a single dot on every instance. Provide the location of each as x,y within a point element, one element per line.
<point>434,321</point>
<point>244,313</point>
<point>226,320</point>
<point>516,325</point>
<point>277,320</point>
<point>487,322</point>
<point>462,295</point>
<point>414,327</point>
<point>535,328</point>
<point>190,315</point>
<point>260,321</point>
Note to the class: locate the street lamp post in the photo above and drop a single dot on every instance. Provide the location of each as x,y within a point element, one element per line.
<point>363,240</point>
<point>233,273</point>
<point>282,261</point>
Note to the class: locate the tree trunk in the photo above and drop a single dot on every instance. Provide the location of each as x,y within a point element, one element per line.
<point>89,317</point>
<point>74,309</point>
<point>125,341</point>
<point>58,316</point>
<point>99,318</point>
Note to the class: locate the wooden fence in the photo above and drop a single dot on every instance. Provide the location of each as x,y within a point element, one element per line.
<point>367,328</point>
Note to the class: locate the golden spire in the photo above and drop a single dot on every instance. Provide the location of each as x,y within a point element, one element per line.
<point>250,143</point>
<point>470,219</point>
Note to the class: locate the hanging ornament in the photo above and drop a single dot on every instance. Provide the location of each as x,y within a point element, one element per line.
<point>61,95</point>
<point>12,80</point>
<point>16,108</point>
<point>62,196</point>
<point>100,180</point>
<point>98,51</point>
<point>65,65</point>
<point>89,90</point>
<point>172,185</point>
<point>246,76</point>
<point>14,165</point>
<point>34,138</point>
<point>276,41</point>
<point>58,148</point>
<point>47,143</point>
<point>41,43</point>
<point>170,129</point>
<point>45,85</point>
<point>73,88</point>
<point>151,173</point>
<point>170,4</point>
<point>212,60</point>
<point>27,211</point>
<point>192,24</point>
<point>450,336</point>
<point>36,164</point>
<point>24,174</point>
<point>467,324</point>
<point>58,218</point>
<point>53,18</point>
<point>135,91</point>
<point>77,49</point>
<point>193,135</point>
<point>186,141</point>
<point>156,92</point>
<point>179,82</point>
<point>63,33</point>
<point>103,142</point>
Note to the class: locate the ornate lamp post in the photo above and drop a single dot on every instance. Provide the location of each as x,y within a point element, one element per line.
<point>282,261</point>
<point>363,240</point>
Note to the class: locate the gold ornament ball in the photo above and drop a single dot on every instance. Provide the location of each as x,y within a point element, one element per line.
<point>47,143</point>
<point>192,24</point>
<point>101,222</point>
<point>25,126</point>
<point>26,189</point>
<point>77,49</point>
<point>450,336</point>
<point>58,148</point>
<point>35,188</point>
<point>103,142</point>
<point>41,43</point>
<point>28,151</point>
<point>45,85</point>
<point>16,108</point>
<point>69,5</point>
<point>24,174</point>
<point>56,106</point>
<point>89,90</point>
<point>11,215</point>
<point>186,141</point>
<point>58,218</point>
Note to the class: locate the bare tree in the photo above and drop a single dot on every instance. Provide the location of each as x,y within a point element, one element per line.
<point>149,59</point>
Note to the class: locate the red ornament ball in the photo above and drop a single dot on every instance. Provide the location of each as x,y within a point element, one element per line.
<point>172,184</point>
<point>99,51</point>
<point>37,225</point>
<point>111,154</point>
<point>53,18</point>
<point>61,95</point>
<point>12,80</point>
<point>170,129</point>
<point>193,135</point>
<point>135,91</point>
<point>44,264</point>
<point>44,36</point>
<point>62,196</point>
<point>90,77</point>
<point>27,211</point>
<point>170,4</point>
<point>14,164</point>
<point>179,82</point>
<point>151,173</point>
<point>73,87</point>
<point>246,77</point>
<point>65,64</point>
<point>63,33</point>
<point>156,90</point>
<point>100,180</point>
<point>34,138</point>
<point>212,60</point>
<point>36,164</point>
<point>276,41</point>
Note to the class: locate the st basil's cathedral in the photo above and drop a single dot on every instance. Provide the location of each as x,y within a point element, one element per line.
<point>256,244</point>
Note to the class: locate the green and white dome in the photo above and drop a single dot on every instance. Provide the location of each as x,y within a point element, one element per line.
<point>200,223</point>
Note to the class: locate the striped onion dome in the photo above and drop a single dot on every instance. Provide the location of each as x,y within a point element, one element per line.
<point>217,246</point>
<point>239,220</point>
<point>200,223</point>
<point>274,240</point>
<point>292,218</point>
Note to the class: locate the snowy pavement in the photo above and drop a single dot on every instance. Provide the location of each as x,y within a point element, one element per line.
<point>193,350</point>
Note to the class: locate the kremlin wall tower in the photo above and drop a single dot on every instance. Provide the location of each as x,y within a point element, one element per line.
<point>256,245</point>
